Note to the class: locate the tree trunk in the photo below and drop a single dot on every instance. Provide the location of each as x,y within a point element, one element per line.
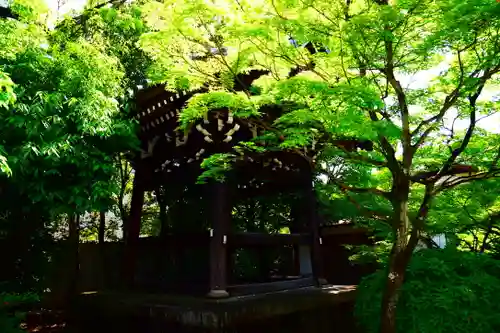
<point>102,227</point>
<point>395,278</point>
<point>399,259</point>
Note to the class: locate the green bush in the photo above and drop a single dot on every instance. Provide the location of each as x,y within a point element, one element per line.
<point>11,314</point>
<point>444,291</point>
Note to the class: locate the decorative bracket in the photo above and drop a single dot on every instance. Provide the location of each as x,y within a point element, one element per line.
<point>151,145</point>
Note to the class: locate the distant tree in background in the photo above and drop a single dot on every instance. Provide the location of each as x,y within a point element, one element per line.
<point>62,125</point>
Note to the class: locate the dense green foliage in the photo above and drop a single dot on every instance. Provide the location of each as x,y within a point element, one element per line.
<point>444,291</point>
<point>62,125</point>
<point>199,105</point>
<point>471,213</point>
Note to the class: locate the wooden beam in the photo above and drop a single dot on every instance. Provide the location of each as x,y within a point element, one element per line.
<point>342,229</point>
<point>248,239</point>
<point>259,288</point>
<point>145,95</point>
<point>239,239</point>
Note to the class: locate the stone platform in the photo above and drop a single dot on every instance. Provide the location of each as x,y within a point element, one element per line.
<point>212,315</point>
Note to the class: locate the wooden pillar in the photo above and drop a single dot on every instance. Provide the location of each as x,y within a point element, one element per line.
<point>302,253</point>
<point>296,227</point>
<point>306,217</point>
<point>311,210</point>
<point>221,218</point>
<point>133,230</point>
<point>296,259</point>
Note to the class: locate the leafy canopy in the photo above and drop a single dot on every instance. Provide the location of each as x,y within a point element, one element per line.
<point>60,115</point>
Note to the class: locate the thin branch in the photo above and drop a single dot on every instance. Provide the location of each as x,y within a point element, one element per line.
<point>347,6</point>
<point>387,149</point>
<point>221,58</point>
<point>454,95</point>
<point>361,158</point>
<point>469,214</point>
<point>452,133</point>
<point>470,130</point>
<point>468,135</point>
<point>342,60</point>
<point>462,180</point>
<point>476,240</point>
<point>372,190</point>
<point>367,212</point>
<point>486,236</point>
<point>428,240</point>
<point>384,92</point>
<point>449,101</point>
<point>424,207</point>
<point>495,160</point>
<point>469,245</point>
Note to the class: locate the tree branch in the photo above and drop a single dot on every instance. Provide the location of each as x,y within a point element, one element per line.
<point>462,180</point>
<point>468,213</point>
<point>470,130</point>
<point>469,245</point>
<point>495,160</point>
<point>486,236</point>
<point>451,99</point>
<point>403,105</point>
<point>468,135</point>
<point>423,210</point>
<point>344,188</point>
<point>366,159</point>
<point>367,212</point>
<point>387,149</point>
<point>476,240</point>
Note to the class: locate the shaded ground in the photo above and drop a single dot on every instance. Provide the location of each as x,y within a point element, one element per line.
<point>286,324</point>
<point>321,320</point>
<point>45,321</point>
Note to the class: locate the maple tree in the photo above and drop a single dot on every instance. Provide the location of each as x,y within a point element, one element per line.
<point>354,88</point>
